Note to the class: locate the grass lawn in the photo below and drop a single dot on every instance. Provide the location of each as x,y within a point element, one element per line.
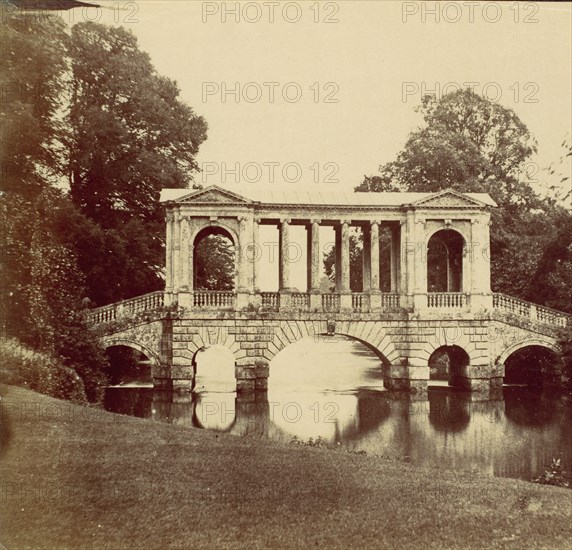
<point>75,477</point>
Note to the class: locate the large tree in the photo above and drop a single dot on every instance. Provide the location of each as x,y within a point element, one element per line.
<point>131,136</point>
<point>472,144</point>
<point>32,79</point>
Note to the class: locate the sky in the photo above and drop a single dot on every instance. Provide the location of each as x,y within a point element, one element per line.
<point>319,94</point>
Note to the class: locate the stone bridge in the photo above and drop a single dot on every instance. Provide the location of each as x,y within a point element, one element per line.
<point>425,285</point>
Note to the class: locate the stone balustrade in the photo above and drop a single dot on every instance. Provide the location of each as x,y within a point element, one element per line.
<point>446,300</point>
<point>330,302</point>
<point>534,312</point>
<point>214,299</point>
<point>115,311</point>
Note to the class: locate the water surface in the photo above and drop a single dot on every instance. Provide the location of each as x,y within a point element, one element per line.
<point>333,390</point>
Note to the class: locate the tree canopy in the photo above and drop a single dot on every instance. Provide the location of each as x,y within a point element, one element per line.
<point>472,144</point>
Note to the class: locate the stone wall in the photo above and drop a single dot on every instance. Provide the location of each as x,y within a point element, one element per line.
<point>403,341</point>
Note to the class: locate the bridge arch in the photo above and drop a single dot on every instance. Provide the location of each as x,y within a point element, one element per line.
<point>540,342</point>
<point>369,333</point>
<point>457,339</point>
<point>114,341</point>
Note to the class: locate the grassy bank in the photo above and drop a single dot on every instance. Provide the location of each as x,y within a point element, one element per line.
<point>74,477</point>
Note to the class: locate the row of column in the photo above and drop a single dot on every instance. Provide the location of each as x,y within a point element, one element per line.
<point>179,256</point>
<point>371,257</point>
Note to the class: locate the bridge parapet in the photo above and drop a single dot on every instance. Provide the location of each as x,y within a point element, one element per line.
<point>530,311</point>
<point>126,308</point>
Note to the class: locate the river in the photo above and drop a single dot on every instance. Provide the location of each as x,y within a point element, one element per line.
<point>332,391</point>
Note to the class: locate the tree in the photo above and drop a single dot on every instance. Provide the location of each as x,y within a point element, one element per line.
<point>32,77</point>
<point>472,144</point>
<point>130,136</point>
<point>467,143</point>
<point>214,263</point>
<point>356,255</point>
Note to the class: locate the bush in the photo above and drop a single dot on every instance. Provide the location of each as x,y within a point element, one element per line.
<point>554,475</point>
<point>40,372</point>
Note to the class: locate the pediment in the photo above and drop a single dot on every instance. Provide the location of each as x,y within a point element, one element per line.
<point>213,194</point>
<point>448,199</point>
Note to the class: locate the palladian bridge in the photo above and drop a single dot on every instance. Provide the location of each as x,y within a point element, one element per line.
<point>425,286</point>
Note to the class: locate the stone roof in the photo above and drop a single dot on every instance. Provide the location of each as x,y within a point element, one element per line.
<point>274,195</point>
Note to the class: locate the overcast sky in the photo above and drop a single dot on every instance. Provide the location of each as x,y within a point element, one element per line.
<point>346,77</point>
<point>360,76</point>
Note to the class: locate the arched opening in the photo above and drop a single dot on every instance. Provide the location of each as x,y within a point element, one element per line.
<point>214,260</point>
<point>445,261</point>
<point>131,381</point>
<point>214,370</point>
<point>532,366</point>
<point>323,386</point>
<point>128,366</point>
<point>448,365</point>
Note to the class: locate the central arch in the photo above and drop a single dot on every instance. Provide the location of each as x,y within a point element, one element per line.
<point>445,261</point>
<point>214,259</point>
<point>371,334</point>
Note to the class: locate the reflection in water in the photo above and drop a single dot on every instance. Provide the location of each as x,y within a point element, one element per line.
<point>335,391</point>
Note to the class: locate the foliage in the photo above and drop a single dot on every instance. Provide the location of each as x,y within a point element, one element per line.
<point>32,79</point>
<point>356,260</point>
<point>214,264</point>
<point>471,144</point>
<point>39,371</point>
<point>91,108</point>
<point>554,475</point>
<point>565,343</point>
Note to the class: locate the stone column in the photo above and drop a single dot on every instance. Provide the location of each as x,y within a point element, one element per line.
<point>185,296</point>
<point>191,255</point>
<point>284,271</point>
<point>395,257</point>
<point>411,259</point>
<point>345,257</point>
<point>184,283</point>
<point>176,251</point>
<point>375,299</point>
<point>284,252</point>
<point>242,255</point>
<point>256,255</point>
<point>169,253</point>
<point>402,286</point>
<point>478,261</point>
<point>345,289</point>
<point>374,254</point>
<point>366,263</point>
<point>338,257</point>
<point>314,264</point>
<point>242,295</point>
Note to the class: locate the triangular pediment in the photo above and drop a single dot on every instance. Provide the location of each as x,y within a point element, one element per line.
<point>448,199</point>
<point>213,194</point>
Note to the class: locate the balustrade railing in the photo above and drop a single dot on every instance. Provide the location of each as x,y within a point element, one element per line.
<point>532,311</point>
<point>446,300</point>
<point>270,300</point>
<point>214,298</point>
<point>300,300</point>
<point>390,300</point>
<point>511,304</point>
<point>112,312</point>
<point>331,302</point>
<point>360,301</point>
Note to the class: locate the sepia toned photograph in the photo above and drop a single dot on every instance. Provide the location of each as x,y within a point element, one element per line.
<point>285,274</point>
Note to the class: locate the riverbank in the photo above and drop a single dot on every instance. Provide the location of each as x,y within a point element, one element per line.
<point>76,477</point>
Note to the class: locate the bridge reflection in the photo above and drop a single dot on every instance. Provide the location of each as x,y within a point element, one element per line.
<point>443,428</point>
